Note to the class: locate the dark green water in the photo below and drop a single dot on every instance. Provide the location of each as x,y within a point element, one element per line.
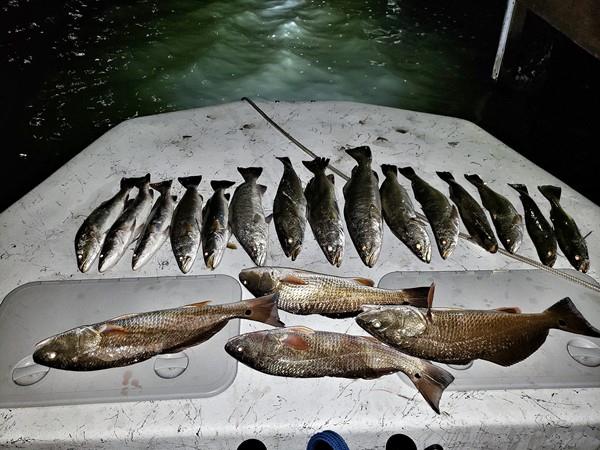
<point>76,68</point>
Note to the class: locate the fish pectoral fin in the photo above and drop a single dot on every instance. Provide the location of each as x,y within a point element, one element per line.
<point>510,309</point>
<point>112,329</point>
<point>364,281</point>
<point>296,342</point>
<point>197,304</point>
<point>430,301</point>
<point>292,279</point>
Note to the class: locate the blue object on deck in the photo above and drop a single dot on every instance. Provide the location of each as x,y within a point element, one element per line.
<point>328,437</point>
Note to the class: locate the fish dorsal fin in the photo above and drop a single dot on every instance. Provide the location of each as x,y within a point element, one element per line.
<point>509,309</point>
<point>262,188</point>
<point>430,301</point>
<point>197,304</point>
<point>124,316</point>
<point>269,218</point>
<point>293,279</point>
<point>109,328</point>
<point>364,281</point>
<point>331,178</point>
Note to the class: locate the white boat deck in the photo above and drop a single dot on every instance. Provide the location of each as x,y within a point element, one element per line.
<point>36,243</point>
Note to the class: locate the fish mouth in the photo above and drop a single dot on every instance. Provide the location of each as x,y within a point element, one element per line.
<point>294,252</point>
<point>584,266</point>
<point>371,258</point>
<point>447,249</point>
<point>138,261</point>
<point>492,247</point>
<point>106,263</point>
<point>212,260</point>
<point>336,258</point>
<point>185,263</point>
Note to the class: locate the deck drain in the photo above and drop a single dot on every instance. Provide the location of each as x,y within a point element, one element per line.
<point>171,365</point>
<point>584,352</point>
<point>27,372</point>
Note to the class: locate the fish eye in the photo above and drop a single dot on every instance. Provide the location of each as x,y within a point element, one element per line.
<point>329,248</point>
<point>101,255</point>
<point>418,246</point>
<point>205,253</point>
<point>444,241</point>
<point>79,256</point>
<point>51,355</point>
<point>181,258</point>
<point>245,282</point>
<point>290,240</point>
<point>240,349</point>
<point>376,323</point>
<point>577,257</point>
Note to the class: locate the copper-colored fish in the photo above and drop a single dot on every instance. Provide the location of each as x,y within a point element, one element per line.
<point>300,352</point>
<point>133,338</point>
<point>454,336</point>
<point>304,292</point>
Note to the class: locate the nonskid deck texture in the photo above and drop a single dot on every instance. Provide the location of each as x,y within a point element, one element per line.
<point>36,243</point>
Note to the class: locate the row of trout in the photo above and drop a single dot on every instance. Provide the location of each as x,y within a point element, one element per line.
<point>117,222</point>
<point>407,332</point>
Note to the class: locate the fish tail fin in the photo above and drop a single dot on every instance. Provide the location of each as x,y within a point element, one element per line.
<point>285,161</point>
<point>128,183</point>
<point>361,154</point>
<point>565,316</point>
<point>190,182</point>
<point>317,165</point>
<point>474,179</point>
<point>446,176</point>
<point>389,170</point>
<point>163,187</point>
<point>407,172</point>
<point>418,297</point>
<point>221,184</point>
<point>250,173</point>
<point>431,383</point>
<point>263,309</point>
<point>520,188</point>
<point>552,193</point>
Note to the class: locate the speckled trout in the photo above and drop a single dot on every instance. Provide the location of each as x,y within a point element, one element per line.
<point>507,221</point>
<point>441,214</point>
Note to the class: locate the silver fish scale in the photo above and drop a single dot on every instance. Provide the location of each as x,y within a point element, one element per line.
<point>247,219</point>
<point>325,294</point>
